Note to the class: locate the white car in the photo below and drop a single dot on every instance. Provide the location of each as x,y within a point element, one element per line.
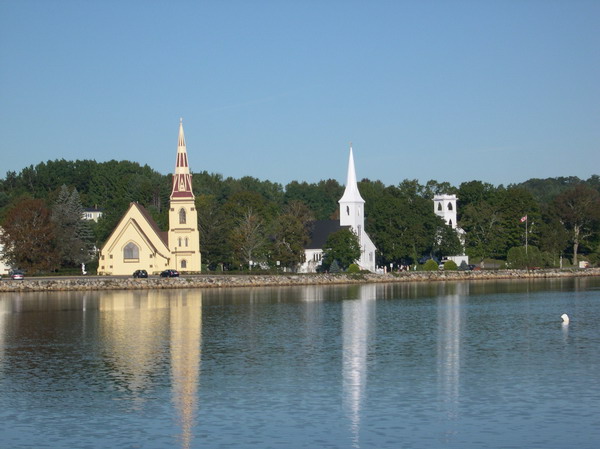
<point>17,275</point>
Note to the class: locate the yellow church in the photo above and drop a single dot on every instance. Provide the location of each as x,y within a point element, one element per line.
<point>137,243</point>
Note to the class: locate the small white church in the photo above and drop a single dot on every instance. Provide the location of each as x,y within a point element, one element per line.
<point>352,217</point>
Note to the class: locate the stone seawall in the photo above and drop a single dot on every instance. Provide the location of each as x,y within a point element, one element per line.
<point>222,281</point>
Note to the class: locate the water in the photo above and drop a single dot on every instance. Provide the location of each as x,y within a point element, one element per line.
<point>445,365</point>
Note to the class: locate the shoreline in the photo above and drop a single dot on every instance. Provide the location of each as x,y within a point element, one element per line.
<point>87,283</point>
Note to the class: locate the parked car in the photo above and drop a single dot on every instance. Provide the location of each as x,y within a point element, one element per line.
<point>17,275</point>
<point>140,274</point>
<point>169,274</point>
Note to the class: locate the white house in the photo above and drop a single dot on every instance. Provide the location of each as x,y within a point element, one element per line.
<point>352,217</point>
<point>4,267</point>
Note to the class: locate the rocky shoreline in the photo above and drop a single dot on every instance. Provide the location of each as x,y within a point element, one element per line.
<point>226,281</point>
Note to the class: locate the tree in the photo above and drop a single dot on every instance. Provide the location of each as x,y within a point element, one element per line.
<point>447,242</point>
<point>74,241</point>
<point>290,236</point>
<point>212,230</point>
<point>29,237</point>
<point>579,211</point>
<point>248,238</point>
<point>342,246</point>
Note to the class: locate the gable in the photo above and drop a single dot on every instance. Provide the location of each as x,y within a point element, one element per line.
<point>137,225</point>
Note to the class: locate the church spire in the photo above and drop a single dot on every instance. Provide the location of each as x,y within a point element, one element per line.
<point>351,194</point>
<point>182,179</point>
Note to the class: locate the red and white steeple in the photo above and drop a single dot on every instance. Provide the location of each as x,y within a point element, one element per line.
<point>182,179</point>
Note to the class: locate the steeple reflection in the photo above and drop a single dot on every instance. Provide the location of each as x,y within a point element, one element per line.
<point>358,315</point>
<point>450,324</point>
<point>186,341</point>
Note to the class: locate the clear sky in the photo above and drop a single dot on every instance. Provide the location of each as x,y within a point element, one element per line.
<point>499,91</point>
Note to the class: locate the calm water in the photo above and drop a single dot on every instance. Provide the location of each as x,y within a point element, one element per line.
<point>464,365</point>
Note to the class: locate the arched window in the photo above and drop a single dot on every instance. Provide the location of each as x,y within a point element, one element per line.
<point>439,206</point>
<point>184,263</point>
<point>449,206</point>
<point>182,216</point>
<point>186,242</point>
<point>450,223</point>
<point>131,251</point>
<point>179,241</point>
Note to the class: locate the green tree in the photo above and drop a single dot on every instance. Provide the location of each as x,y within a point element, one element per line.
<point>74,241</point>
<point>579,211</point>
<point>447,242</point>
<point>29,237</point>
<point>341,246</point>
<point>248,239</point>
<point>290,236</point>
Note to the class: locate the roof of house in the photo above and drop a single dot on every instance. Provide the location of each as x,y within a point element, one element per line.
<point>320,230</point>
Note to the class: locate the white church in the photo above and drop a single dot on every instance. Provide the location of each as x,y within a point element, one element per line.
<point>444,206</point>
<point>352,217</point>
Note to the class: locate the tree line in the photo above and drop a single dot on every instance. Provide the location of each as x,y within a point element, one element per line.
<point>249,221</point>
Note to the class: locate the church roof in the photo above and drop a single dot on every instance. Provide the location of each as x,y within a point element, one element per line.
<point>320,230</point>
<point>351,194</point>
<point>163,235</point>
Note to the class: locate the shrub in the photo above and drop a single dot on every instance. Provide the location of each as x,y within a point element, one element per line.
<point>519,257</point>
<point>463,266</point>
<point>353,268</point>
<point>430,265</point>
<point>450,265</point>
<point>334,267</point>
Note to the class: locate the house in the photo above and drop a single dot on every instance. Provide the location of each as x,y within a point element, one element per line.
<point>4,267</point>
<point>91,213</point>
<point>138,243</point>
<point>351,217</point>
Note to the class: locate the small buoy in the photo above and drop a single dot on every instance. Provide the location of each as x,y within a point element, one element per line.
<point>565,318</point>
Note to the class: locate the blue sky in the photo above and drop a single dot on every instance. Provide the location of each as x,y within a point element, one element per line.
<point>499,91</point>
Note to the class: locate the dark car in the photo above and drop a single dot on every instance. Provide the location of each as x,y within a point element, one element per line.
<point>169,274</point>
<point>140,274</point>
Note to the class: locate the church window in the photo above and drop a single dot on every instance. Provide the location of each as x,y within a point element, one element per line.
<point>182,216</point>
<point>450,222</point>
<point>439,206</point>
<point>348,210</point>
<point>186,242</point>
<point>184,263</point>
<point>131,251</point>
<point>449,206</point>
<point>179,240</point>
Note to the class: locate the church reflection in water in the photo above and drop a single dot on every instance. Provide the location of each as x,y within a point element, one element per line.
<point>358,317</point>
<point>451,323</point>
<point>136,328</point>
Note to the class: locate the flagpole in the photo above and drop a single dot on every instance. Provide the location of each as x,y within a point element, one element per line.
<point>526,220</point>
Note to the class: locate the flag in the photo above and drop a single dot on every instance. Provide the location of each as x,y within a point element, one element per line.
<point>524,218</point>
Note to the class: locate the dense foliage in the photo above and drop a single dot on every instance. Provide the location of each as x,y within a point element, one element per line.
<point>248,220</point>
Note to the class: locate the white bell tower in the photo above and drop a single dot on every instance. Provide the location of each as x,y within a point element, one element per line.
<point>445,207</point>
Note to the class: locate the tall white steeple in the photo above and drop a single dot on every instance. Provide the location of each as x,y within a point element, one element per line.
<point>351,203</point>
